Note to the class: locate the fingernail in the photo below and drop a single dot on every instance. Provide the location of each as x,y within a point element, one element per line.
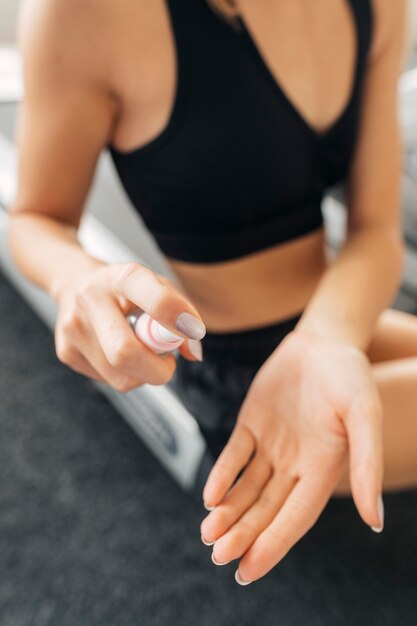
<point>208,508</point>
<point>380,507</point>
<point>240,580</point>
<point>207,543</point>
<point>196,349</point>
<point>216,562</point>
<point>190,325</point>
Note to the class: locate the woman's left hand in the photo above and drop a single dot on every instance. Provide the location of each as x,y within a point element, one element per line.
<point>311,403</point>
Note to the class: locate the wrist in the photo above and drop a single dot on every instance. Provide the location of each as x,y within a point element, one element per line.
<point>314,337</point>
<point>349,334</point>
<point>72,276</point>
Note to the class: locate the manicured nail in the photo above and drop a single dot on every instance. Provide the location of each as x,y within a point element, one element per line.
<point>380,507</point>
<point>207,543</point>
<point>196,349</point>
<point>208,508</point>
<point>216,562</point>
<point>240,580</point>
<point>190,325</point>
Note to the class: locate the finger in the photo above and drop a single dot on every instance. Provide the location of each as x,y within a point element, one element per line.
<point>244,532</point>
<point>233,457</point>
<point>82,366</point>
<point>297,515</point>
<point>122,348</point>
<point>237,500</point>
<point>88,345</point>
<point>160,300</point>
<point>366,464</point>
<point>70,356</point>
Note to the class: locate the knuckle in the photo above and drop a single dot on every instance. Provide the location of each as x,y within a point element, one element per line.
<point>222,515</point>
<point>166,375</point>
<point>301,508</point>
<point>126,270</point>
<point>83,295</point>
<point>156,379</point>
<point>67,322</point>
<point>246,527</point>
<point>162,377</point>
<point>120,352</point>
<point>123,384</point>
<point>279,539</point>
<point>70,320</point>
<point>65,352</point>
<point>225,465</point>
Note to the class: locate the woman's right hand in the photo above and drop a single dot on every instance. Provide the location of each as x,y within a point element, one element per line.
<point>94,338</point>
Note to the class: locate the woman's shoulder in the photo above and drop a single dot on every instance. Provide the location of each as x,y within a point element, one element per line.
<point>59,34</point>
<point>79,36</point>
<point>388,24</point>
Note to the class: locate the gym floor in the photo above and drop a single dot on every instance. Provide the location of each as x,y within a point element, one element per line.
<point>93,531</point>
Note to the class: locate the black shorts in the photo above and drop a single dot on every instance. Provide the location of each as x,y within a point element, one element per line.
<point>213,390</point>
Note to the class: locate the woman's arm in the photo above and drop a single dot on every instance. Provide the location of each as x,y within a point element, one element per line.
<point>313,405</point>
<point>66,119</point>
<point>363,279</point>
<point>64,122</point>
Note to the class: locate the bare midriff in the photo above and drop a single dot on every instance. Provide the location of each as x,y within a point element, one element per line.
<point>256,289</point>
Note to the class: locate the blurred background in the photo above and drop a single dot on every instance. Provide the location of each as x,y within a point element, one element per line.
<point>93,530</point>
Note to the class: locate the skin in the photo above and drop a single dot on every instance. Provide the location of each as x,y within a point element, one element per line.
<point>316,426</point>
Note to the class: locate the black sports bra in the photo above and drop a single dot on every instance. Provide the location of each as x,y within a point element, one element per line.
<point>237,169</point>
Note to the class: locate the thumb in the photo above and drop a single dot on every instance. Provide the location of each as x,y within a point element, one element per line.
<point>364,427</point>
<point>159,298</point>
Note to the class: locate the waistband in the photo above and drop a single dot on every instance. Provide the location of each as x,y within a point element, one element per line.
<point>249,346</point>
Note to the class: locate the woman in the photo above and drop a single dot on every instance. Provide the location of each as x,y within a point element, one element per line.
<point>227,122</point>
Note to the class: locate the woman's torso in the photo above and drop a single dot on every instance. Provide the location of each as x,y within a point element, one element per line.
<point>311,51</point>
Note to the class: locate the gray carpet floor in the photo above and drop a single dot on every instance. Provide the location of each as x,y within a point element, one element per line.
<point>94,532</point>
